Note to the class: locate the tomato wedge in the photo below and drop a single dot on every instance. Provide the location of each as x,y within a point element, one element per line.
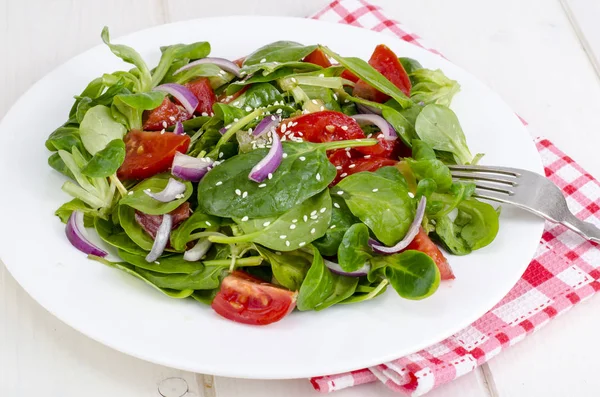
<point>151,223</point>
<point>203,91</point>
<point>318,57</point>
<point>224,98</point>
<point>246,299</point>
<point>423,243</point>
<point>166,115</point>
<point>385,62</point>
<point>150,153</point>
<point>351,165</point>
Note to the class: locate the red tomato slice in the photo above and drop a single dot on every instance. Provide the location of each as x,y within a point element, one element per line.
<point>151,223</point>
<point>166,115</point>
<point>325,126</point>
<point>318,57</point>
<point>385,62</point>
<point>223,98</point>
<point>203,91</point>
<point>245,299</point>
<point>423,243</point>
<point>150,153</point>
<point>351,165</point>
<point>348,75</point>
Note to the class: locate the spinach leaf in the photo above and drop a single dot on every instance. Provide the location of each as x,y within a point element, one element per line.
<point>475,226</point>
<point>341,220</point>
<point>174,264</point>
<point>83,106</point>
<point>205,296</point>
<point>371,76</point>
<point>228,113</point>
<point>140,201</point>
<point>133,229</point>
<point>107,161</point>
<point>267,68</point>
<point>381,204</point>
<point>426,187</point>
<point>354,250</point>
<point>432,86</point>
<point>366,292</point>
<point>64,138</point>
<point>65,210</point>
<point>127,268</point>
<point>410,65</point>
<point>98,128</point>
<point>289,269</point>
<point>393,174</point>
<point>116,236</point>
<point>202,70</point>
<point>206,278</point>
<point>413,274</point>
<point>132,106</point>
<point>279,51</point>
<point>197,221</point>
<point>261,95</point>
<point>438,126</point>
<point>197,50</point>
<point>129,55</point>
<point>343,288</point>
<point>293,229</point>
<point>258,78</point>
<point>56,162</point>
<point>324,95</point>
<point>303,173</point>
<point>425,165</point>
<point>403,121</point>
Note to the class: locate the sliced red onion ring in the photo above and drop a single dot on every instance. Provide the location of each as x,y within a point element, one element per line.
<point>77,235</point>
<point>368,109</point>
<point>178,130</point>
<point>223,130</point>
<point>389,134</point>
<point>171,192</point>
<point>269,163</point>
<point>198,251</point>
<point>161,239</point>
<point>190,168</point>
<point>413,230</point>
<point>337,269</point>
<point>182,94</point>
<point>223,63</point>
<point>267,124</point>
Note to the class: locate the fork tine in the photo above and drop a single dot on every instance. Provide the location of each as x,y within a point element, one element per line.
<point>486,169</point>
<point>491,196</point>
<point>484,177</point>
<point>493,188</point>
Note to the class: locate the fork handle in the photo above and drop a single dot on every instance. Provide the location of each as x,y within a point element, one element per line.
<point>585,229</point>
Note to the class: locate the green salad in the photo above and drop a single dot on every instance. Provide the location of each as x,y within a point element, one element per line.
<point>292,177</point>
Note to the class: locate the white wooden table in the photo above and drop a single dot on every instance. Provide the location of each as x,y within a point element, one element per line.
<point>541,56</point>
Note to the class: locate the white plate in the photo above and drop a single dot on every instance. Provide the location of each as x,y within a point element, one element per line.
<point>125,314</point>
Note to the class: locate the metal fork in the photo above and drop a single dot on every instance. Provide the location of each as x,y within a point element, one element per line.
<point>527,190</point>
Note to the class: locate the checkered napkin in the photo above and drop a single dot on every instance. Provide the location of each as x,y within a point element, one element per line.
<point>564,271</point>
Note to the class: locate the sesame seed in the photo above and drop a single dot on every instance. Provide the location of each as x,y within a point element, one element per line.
<point>345,127</point>
<point>244,219</point>
<point>332,227</point>
<point>171,118</point>
<point>278,111</point>
<point>277,252</point>
<point>294,80</point>
<point>235,120</point>
<point>322,108</point>
<point>270,176</point>
<point>322,210</point>
<point>300,134</point>
<point>321,75</point>
<point>314,216</point>
<point>305,218</point>
<point>267,223</point>
<point>245,194</point>
<point>221,155</point>
<point>335,96</point>
<point>219,183</point>
<point>336,205</point>
<point>283,237</point>
<point>368,156</point>
<point>302,244</point>
<point>340,192</point>
<point>292,227</point>
<point>130,193</point>
<point>318,176</point>
<point>302,158</point>
<point>248,109</point>
<point>262,185</point>
<point>375,190</point>
<point>222,72</point>
<point>380,136</point>
<point>352,166</point>
<point>283,127</point>
<point>339,167</point>
<point>238,192</point>
<point>313,213</point>
<point>346,101</point>
<point>284,155</point>
<point>294,220</point>
<point>314,101</point>
<point>180,196</point>
<point>289,124</point>
<point>345,174</point>
<point>234,104</point>
<point>348,154</point>
<point>263,60</point>
<point>164,124</point>
<point>287,243</point>
<point>411,195</point>
<point>208,223</point>
<point>157,262</point>
<point>162,131</point>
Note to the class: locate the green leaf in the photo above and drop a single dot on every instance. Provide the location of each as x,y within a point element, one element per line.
<point>107,161</point>
<point>343,288</point>
<point>132,106</point>
<point>438,126</point>
<point>196,222</point>
<point>432,86</point>
<point>83,106</point>
<point>403,121</point>
<point>426,187</point>
<point>426,166</point>
<point>413,274</point>
<point>294,181</point>
<point>174,264</point>
<point>133,229</point>
<point>64,138</point>
<point>279,51</point>
<point>98,128</point>
<point>289,269</point>
<point>228,113</point>
<point>258,78</point>
<point>354,250</point>
<point>140,201</point>
<point>202,70</point>
<point>56,162</point>
<point>371,76</point>
<point>260,95</point>
<point>292,230</point>
<point>381,204</point>
<point>116,236</point>
<point>205,296</point>
<point>209,277</point>
<point>65,210</point>
<point>341,220</point>
<point>129,55</point>
<point>409,64</point>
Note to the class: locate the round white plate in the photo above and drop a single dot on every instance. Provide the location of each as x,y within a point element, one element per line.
<point>125,314</point>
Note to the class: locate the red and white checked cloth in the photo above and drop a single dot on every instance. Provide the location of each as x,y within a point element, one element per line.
<point>564,271</point>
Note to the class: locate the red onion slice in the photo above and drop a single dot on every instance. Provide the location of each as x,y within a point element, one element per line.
<point>223,63</point>
<point>389,134</point>
<point>198,251</point>
<point>182,94</point>
<point>368,109</point>
<point>77,235</point>
<point>337,269</point>
<point>161,239</point>
<point>268,165</point>
<point>171,192</point>
<point>267,124</point>
<point>413,230</point>
<point>178,130</point>
<point>190,168</point>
